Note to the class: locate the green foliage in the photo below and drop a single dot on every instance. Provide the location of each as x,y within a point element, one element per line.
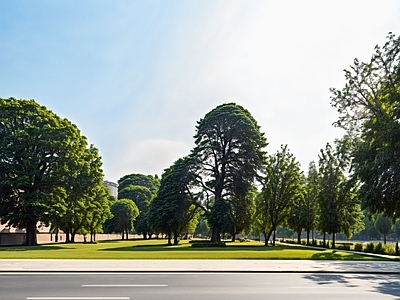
<point>228,154</point>
<point>141,189</point>
<point>358,247</point>
<point>281,189</point>
<point>378,249</point>
<point>46,167</point>
<point>124,213</point>
<point>343,247</point>
<point>383,225</point>
<point>368,104</point>
<point>205,244</point>
<point>369,247</point>
<point>340,209</point>
<point>172,211</point>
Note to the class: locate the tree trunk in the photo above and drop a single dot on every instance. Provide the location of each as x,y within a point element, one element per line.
<point>169,237</point>
<point>215,237</point>
<point>273,238</point>
<point>299,237</point>
<point>324,239</point>
<point>308,237</point>
<point>233,236</point>
<point>384,239</point>
<point>333,240</point>
<point>30,238</point>
<point>175,238</point>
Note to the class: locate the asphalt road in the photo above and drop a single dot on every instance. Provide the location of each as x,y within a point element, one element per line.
<point>196,286</point>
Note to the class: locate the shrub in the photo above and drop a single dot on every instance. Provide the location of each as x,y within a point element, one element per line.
<point>303,242</point>
<point>343,247</point>
<point>358,247</point>
<point>379,249</point>
<point>314,242</point>
<point>208,244</point>
<point>369,248</point>
<point>389,249</point>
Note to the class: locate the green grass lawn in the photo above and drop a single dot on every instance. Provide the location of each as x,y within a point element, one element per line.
<point>158,249</point>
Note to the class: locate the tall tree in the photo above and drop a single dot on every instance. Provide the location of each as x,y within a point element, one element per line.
<point>228,152</point>
<point>281,188</point>
<point>38,152</point>
<point>369,104</point>
<point>339,204</point>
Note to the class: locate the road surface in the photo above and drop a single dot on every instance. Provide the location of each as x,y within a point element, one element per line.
<point>196,286</point>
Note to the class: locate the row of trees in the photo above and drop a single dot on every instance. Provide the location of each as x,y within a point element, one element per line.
<point>358,173</point>
<point>50,174</point>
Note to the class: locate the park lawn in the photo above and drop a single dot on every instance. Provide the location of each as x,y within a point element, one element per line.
<point>158,249</point>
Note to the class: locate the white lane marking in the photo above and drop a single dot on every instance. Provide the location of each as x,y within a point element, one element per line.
<point>124,285</point>
<point>77,298</point>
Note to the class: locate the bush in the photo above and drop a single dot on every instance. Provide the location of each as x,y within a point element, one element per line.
<point>343,247</point>
<point>303,242</point>
<point>369,248</point>
<point>389,249</point>
<point>208,244</point>
<point>314,242</point>
<point>358,247</point>
<point>379,249</point>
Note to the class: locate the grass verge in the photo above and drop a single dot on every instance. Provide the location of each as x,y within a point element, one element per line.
<point>158,249</point>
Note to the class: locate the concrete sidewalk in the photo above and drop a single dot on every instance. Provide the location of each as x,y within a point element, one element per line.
<point>267,266</point>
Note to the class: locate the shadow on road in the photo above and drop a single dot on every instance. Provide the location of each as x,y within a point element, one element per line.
<point>388,284</point>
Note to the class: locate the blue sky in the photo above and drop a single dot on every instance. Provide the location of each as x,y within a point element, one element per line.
<point>136,76</point>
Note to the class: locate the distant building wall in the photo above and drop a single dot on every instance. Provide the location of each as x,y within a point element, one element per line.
<point>16,239</point>
<point>112,186</point>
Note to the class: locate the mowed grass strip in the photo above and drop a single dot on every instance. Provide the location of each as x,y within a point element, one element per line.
<point>158,249</point>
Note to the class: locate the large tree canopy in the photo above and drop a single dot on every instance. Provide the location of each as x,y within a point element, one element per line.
<point>369,104</point>
<point>40,155</point>
<point>229,151</point>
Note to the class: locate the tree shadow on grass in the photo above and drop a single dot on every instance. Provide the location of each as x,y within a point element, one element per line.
<point>387,284</point>
<point>34,248</point>
<point>334,255</point>
<point>166,247</point>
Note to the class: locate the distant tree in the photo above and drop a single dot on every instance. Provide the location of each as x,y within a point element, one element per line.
<point>202,228</point>
<point>281,189</point>
<point>137,179</point>
<point>98,212</point>
<point>298,212</point>
<point>311,191</point>
<point>141,189</point>
<point>228,152</point>
<point>172,209</point>
<point>124,213</point>
<point>396,228</point>
<point>383,225</point>
<point>39,154</point>
<point>340,209</point>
